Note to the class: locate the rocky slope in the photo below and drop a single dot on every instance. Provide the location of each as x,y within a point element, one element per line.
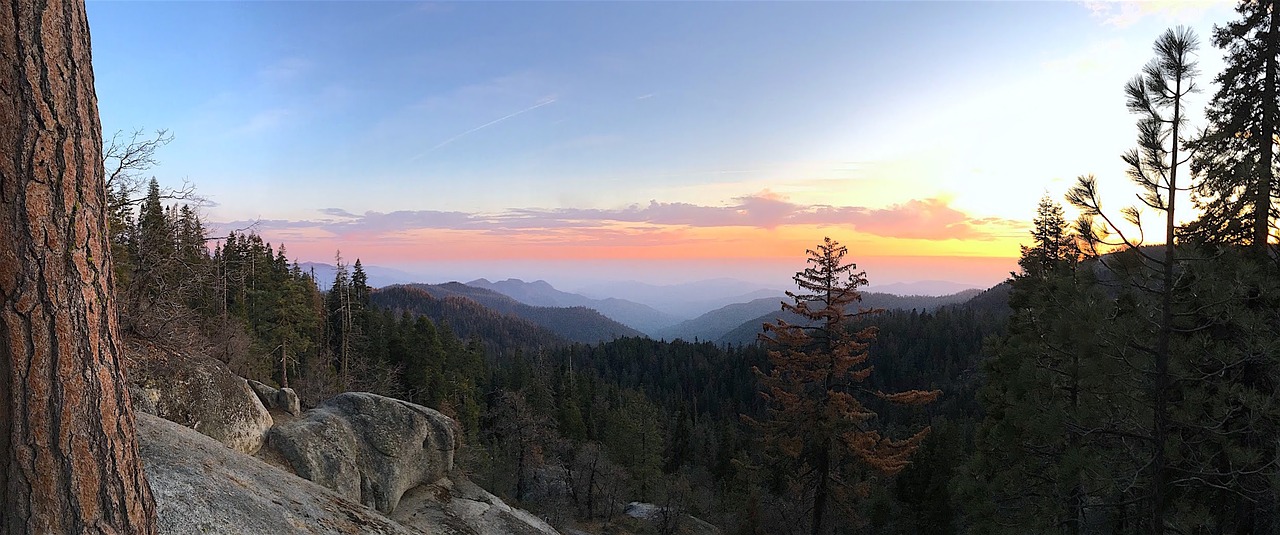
<point>202,486</point>
<point>368,463</point>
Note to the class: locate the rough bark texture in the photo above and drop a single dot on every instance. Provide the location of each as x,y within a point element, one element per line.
<point>68,454</point>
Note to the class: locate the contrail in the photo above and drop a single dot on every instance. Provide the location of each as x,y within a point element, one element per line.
<point>483,126</point>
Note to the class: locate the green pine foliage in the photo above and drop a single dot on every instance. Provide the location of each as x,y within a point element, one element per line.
<point>1235,156</point>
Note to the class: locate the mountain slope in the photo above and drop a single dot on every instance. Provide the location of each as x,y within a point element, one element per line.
<point>745,333</point>
<point>575,324</point>
<point>718,322</point>
<point>542,294</point>
<point>687,300</point>
<point>925,287</point>
<point>501,334</point>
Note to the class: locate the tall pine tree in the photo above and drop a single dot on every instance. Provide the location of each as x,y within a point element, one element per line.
<point>816,423</point>
<point>1158,96</point>
<point>1235,158</point>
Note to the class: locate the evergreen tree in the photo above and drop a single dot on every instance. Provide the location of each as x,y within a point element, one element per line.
<point>815,422</point>
<point>293,318</point>
<point>1235,157</point>
<point>1157,96</point>
<point>154,234</point>
<point>340,320</point>
<point>635,438</point>
<point>1053,242</point>
<point>359,288</point>
<point>1046,387</point>
<point>569,411</point>
<point>1226,416</point>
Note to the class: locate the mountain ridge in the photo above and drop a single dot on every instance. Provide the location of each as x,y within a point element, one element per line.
<point>746,332</point>
<point>575,324</point>
<point>540,293</point>
<point>685,300</point>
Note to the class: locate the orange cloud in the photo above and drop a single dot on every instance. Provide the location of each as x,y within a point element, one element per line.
<point>755,227</point>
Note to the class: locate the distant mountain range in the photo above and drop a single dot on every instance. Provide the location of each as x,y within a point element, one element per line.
<point>720,310</point>
<point>687,300</point>
<point>743,314</point>
<point>575,324</point>
<point>929,287</point>
<point>745,332</point>
<point>378,276</point>
<point>712,325</point>
<point>540,293</point>
<point>504,324</point>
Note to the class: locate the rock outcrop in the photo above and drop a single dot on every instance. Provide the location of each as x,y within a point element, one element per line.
<point>201,486</point>
<point>358,455</point>
<point>458,506</point>
<point>200,393</point>
<point>666,520</point>
<point>284,399</point>
<point>367,447</point>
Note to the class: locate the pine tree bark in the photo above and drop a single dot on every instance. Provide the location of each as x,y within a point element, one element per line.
<point>68,454</point>
<point>823,474</point>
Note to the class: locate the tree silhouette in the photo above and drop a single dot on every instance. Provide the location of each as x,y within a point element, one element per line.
<point>1235,157</point>
<point>1158,96</point>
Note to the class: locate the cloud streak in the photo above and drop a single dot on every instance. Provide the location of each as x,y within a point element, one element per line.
<point>919,219</point>
<point>483,126</point>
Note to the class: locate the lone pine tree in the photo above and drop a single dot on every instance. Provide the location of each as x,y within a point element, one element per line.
<point>816,423</point>
<point>1158,95</point>
<point>68,454</point>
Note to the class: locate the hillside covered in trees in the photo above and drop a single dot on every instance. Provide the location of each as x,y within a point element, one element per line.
<point>1112,385</point>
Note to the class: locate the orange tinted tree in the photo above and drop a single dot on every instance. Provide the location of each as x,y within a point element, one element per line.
<point>816,423</point>
<point>68,454</point>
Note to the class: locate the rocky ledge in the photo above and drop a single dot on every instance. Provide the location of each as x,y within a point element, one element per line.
<point>358,463</point>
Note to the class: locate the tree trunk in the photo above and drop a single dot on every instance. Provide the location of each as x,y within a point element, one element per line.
<point>823,473</point>
<point>1076,500</point>
<point>284,363</point>
<point>67,446</point>
<point>1160,385</point>
<point>591,491</point>
<point>1266,160</point>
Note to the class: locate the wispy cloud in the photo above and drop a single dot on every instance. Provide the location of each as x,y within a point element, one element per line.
<point>921,219</point>
<point>1125,13</point>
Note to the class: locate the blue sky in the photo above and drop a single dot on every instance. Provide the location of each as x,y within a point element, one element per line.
<point>423,135</point>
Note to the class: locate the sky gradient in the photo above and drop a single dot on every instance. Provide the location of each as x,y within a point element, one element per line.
<point>663,142</point>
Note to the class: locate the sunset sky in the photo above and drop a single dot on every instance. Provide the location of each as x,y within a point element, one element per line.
<point>662,142</point>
